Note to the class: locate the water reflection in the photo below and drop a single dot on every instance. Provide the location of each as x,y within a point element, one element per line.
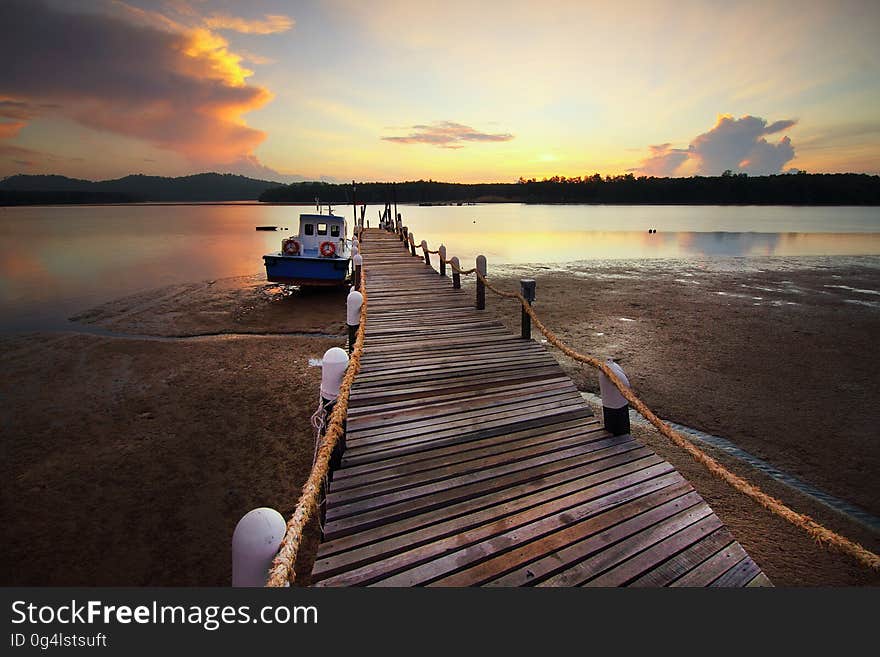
<point>511,234</point>
<point>515,248</point>
<point>57,261</point>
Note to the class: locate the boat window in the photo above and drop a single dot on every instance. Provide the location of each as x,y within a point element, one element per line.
<point>334,231</point>
<point>322,229</point>
<point>309,229</point>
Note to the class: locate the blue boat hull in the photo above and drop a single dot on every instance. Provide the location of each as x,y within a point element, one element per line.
<point>303,270</point>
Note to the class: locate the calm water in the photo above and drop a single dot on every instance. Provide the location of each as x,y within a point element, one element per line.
<point>57,261</point>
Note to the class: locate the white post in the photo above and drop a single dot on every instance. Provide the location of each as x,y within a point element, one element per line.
<point>332,370</point>
<point>255,542</point>
<point>615,408</point>
<point>353,315</point>
<point>358,261</point>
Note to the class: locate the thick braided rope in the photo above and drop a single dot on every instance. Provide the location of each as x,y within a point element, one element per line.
<point>282,572</point>
<point>818,532</point>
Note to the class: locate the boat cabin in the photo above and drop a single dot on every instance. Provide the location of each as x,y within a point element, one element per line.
<point>315,229</point>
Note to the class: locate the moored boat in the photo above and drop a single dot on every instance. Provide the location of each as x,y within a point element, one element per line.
<point>319,254</point>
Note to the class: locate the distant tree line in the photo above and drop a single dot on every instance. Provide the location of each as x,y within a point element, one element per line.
<point>727,189</point>
<point>60,197</point>
<point>134,188</point>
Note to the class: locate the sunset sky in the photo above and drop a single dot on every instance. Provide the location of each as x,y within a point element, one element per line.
<point>458,91</point>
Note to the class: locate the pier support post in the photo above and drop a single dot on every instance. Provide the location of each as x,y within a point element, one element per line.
<point>255,542</point>
<point>615,408</point>
<point>481,288</point>
<point>403,233</point>
<point>442,254</point>
<point>333,367</point>
<point>427,255</point>
<point>527,289</point>
<point>353,314</point>
<point>456,277</point>
<point>358,261</point>
<point>412,245</point>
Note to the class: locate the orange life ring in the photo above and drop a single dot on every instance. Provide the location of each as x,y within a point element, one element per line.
<point>290,247</point>
<point>328,249</point>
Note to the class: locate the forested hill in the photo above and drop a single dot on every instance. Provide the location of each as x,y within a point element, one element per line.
<point>728,189</point>
<point>200,187</point>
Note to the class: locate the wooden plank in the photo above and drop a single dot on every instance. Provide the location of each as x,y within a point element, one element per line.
<point>713,567</point>
<point>508,457</point>
<point>576,543</point>
<point>606,510</point>
<point>523,495</point>
<point>687,560</point>
<point>441,495</point>
<point>459,454</point>
<point>578,453</point>
<point>368,547</point>
<point>469,421</point>
<point>635,566</point>
<point>386,418</point>
<point>458,437</point>
<point>739,575</point>
<point>424,563</point>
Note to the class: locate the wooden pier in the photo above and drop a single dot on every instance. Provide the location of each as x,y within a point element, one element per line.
<point>472,459</point>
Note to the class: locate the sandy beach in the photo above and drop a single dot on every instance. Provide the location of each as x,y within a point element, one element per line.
<point>130,460</point>
<point>136,445</point>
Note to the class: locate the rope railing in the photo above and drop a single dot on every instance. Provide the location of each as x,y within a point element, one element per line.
<point>282,571</point>
<point>821,534</point>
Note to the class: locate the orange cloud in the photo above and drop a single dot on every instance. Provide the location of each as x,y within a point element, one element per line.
<point>9,130</point>
<point>178,88</point>
<point>663,160</point>
<point>270,24</point>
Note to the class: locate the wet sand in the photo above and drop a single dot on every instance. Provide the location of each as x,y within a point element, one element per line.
<point>128,461</point>
<point>781,362</point>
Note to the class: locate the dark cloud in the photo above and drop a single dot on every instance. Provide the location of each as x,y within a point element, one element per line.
<point>740,145</point>
<point>736,144</point>
<point>18,155</point>
<point>18,110</point>
<point>447,134</point>
<point>178,89</point>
